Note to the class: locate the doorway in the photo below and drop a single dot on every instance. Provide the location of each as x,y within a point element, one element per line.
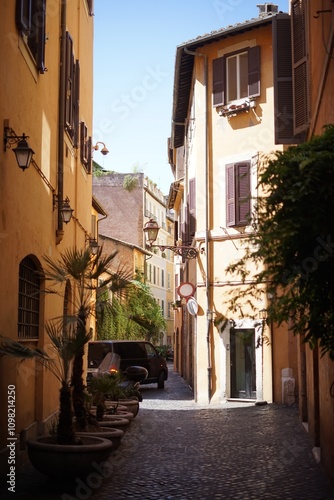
<point>243,366</point>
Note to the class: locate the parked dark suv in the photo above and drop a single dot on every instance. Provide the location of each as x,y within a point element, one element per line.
<point>132,353</point>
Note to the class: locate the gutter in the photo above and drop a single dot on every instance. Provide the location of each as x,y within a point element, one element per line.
<point>61,122</point>
<point>207,254</point>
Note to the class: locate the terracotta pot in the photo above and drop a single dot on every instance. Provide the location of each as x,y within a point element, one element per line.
<point>65,462</point>
<point>114,435</point>
<point>131,405</point>
<point>117,422</point>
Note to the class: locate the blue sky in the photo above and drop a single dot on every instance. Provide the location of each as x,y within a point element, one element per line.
<point>134,55</point>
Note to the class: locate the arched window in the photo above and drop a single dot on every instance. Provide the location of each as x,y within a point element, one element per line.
<point>29,300</point>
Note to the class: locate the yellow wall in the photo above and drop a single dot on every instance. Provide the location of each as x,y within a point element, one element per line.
<point>28,222</point>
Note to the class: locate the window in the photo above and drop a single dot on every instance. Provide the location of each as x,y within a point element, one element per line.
<point>85,148</point>
<point>163,308</point>
<point>162,278</point>
<point>29,298</point>
<point>238,194</point>
<point>300,65</point>
<point>90,5</point>
<point>236,76</point>
<point>72,92</point>
<point>30,21</point>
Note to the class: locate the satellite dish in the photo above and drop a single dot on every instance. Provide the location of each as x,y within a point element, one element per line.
<point>192,306</point>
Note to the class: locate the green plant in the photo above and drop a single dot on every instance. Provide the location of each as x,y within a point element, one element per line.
<point>130,183</point>
<point>87,274</point>
<point>293,241</point>
<point>65,345</point>
<point>102,387</point>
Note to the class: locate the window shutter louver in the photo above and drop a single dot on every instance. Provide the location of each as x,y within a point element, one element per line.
<point>76,100</point>
<point>69,84</point>
<point>23,16</point>
<point>230,195</point>
<point>254,71</point>
<point>283,93</point>
<point>243,193</point>
<point>300,66</point>
<point>218,77</point>
<point>41,37</point>
<point>192,208</point>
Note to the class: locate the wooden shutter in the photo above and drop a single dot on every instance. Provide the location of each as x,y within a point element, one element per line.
<point>242,198</point>
<point>283,96</point>
<point>41,37</point>
<point>254,71</point>
<point>85,148</point>
<point>218,81</point>
<point>300,66</point>
<point>192,208</point>
<point>23,15</point>
<point>69,84</point>
<point>230,195</point>
<point>75,104</point>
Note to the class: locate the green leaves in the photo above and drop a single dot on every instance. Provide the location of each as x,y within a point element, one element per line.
<point>295,239</point>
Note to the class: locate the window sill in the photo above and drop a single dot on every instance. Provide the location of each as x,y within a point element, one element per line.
<point>236,107</point>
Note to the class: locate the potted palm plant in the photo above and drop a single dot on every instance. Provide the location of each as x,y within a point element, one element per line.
<point>63,455</point>
<point>85,274</point>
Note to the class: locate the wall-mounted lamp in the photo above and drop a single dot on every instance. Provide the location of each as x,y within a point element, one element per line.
<point>151,229</point>
<point>93,245</point>
<point>23,152</point>
<point>65,210</point>
<point>104,150</point>
<point>263,314</point>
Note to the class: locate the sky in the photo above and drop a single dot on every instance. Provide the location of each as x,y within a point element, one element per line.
<point>134,57</point>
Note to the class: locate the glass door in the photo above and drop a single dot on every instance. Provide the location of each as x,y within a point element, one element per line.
<point>243,374</point>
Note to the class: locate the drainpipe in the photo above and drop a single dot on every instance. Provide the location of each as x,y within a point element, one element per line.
<point>61,122</point>
<point>207,256</point>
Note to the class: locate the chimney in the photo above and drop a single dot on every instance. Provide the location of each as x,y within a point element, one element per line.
<point>267,8</point>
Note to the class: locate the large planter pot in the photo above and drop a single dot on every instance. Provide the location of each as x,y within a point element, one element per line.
<point>66,462</point>
<point>117,422</point>
<point>131,405</point>
<point>114,435</point>
<point>121,413</point>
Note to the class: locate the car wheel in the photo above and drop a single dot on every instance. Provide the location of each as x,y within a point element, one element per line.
<point>161,380</point>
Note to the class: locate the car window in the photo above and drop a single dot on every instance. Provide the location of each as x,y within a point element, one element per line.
<point>151,352</point>
<point>96,353</point>
<point>130,350</point>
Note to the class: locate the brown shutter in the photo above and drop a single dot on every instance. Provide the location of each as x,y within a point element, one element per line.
<point>282,64</point>
<point>69,84</point>
<point>218,78</point>
<point>89,155</point>
<point>83,143</point>
<point>300,66</point>
<point>76,99</point>
<point>230,195</point>
<point>23,16</point>
<point>242,175</point>
<point>254,71</point>
<point>41,37</point>
<point>192,208</point>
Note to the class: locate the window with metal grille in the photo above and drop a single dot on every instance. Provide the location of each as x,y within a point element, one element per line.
<point>29,299</point>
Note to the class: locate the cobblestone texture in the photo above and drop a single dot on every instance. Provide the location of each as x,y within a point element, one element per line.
<point>175,449</point>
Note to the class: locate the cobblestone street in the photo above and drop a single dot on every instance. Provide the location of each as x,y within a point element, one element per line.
<point>175,449</point>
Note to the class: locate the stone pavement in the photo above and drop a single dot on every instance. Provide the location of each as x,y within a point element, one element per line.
<point>175,449</point>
